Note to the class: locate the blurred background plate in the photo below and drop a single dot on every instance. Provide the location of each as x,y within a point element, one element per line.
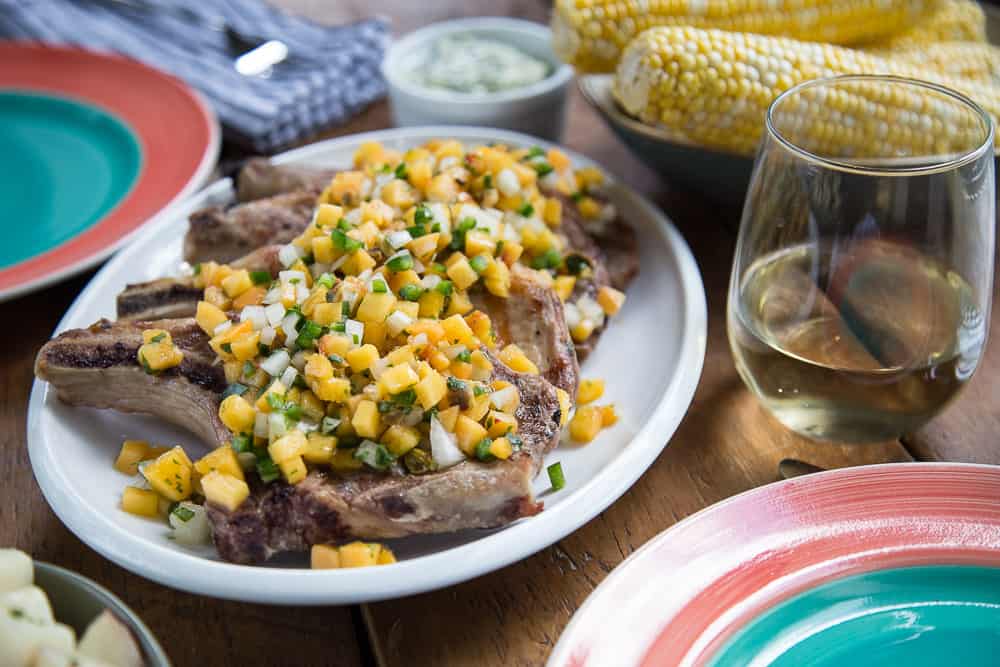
<point>716,174</point>
<point>888,564</point>
<point>93,146</point>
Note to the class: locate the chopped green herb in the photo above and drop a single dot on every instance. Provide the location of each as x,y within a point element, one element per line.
<point>499,249</point>
<point>379,286</point>
<point>454,384</point>
<point>343,225</point>
<point>329,425</point>
<point>342,241</point>
<point>422,214</point>
<point>345,309</point>
<point>242,443</point>
<point>410,292</point>
<point>294,411</point>
<point>550,259</point>
<point>436,227</point>
<point>556,476</point>
<point>466,224</point>
<point>183,513</point>
<point>479,390</point>
<point>416,231</point>
<point>543,168</point>
<point>488,181</point>
<point>374,455</point>
<point>227,347</point>
<point>515,441</point>
<point>249,370</point>
<point>260,277</point>
<point>402,262</point>
<point>308,334</point>
<point>575,264</point>
<point>275,402</point>
<point>267,469</point>
<point>483,450</point>
<point>576,196</point>
<point>445,287</point>
<point>197,269</point>
<point>339,327</point>
<point>326,280</point>
<point>235,389</point>
<point>464,356</point>
<point>535,151</point>
<point>407,397</point>
<point>419,462</point>
<point>335,359</point>
<point>385,406</point>
<point>157,338</point>
<point>400,171</point>
<point>527,210</point>
<point>479,263</point>
<point>263,349</point>
<point>439,268</point>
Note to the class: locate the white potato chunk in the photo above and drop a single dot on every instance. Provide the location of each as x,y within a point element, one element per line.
<point>16,570</point>
<point>108,640</point>
<point>50,657</point>
<point>21,638</point>
<point>32,603</point>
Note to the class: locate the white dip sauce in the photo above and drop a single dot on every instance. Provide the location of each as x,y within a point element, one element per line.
<point>471,64</point>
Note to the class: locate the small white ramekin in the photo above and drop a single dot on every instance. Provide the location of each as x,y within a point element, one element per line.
<point>538,109</point>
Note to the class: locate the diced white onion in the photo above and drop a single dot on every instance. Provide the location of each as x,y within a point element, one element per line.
<point>447,161</point>
<point>288,255</point>
<point>397,322</point>
<point>273,296</point>
<point>355,331</point>
<point>590,309</point>
<point>503,397</point>
<point>288,376</point>
<point>430,281</point>
<point>418,266</point>
<point>399,239</point>
<point>550,180</point>
<point>299,360</point>
<point>195,530</point>
<point>365,275</point>
<point>379,367</point>
<point>337,263</point>
<point>222,327</point>
<point>572,314</point>
<point>353,216</point>
<point>507,182</point>
<point>260,428</point>
<point>301,293</point>
<point>267,335</point>
<point>444,446</point>
<point>276,364</point>
<point>329,425</point>
<point>287,277</point>
<point>318,269</point>
<point>306,426</point>
<point>256,315</point>
<point>275,313</point>
<point>440,215</point>
<point>419,340</point>
<point>288,323</point>
<point>453,351</point>
<point>276,426</point>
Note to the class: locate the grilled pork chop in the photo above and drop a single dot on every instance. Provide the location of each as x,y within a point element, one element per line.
<point>178,297</point>
<point>224,234</point>
<point>259,179</point>
<point>97,367</point>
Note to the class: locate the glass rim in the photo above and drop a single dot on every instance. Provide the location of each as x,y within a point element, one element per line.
<point>841,164</point>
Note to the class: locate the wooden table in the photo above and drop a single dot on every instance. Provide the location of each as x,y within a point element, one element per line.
<point>726,444</point>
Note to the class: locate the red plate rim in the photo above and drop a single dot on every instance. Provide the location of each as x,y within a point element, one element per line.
<point>676,600</point>
<point>154,105</point>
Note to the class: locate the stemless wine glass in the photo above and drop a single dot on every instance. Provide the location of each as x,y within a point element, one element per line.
<point>860,295</point>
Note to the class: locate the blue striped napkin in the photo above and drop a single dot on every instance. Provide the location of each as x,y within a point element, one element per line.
<point>333,74</point>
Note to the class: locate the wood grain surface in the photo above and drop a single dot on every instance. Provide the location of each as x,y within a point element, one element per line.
<point>725,445</point>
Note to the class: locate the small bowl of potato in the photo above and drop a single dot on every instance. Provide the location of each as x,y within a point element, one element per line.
<point>51,617</point>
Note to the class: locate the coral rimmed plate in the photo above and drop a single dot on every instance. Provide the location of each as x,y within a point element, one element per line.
<point>756,578</point>
<point>93,146</point>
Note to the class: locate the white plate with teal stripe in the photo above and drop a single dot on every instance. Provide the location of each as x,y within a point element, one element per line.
<point>650,358</point>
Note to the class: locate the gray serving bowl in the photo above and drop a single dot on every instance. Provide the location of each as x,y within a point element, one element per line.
<point>76,601</point>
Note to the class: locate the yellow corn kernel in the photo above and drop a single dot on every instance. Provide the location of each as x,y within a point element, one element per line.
<point>326,313</point>
<point>334,390</point>
<point>461,370</point>
<point>479,406</point>
<point>328,215</point>
<point>359,554</point>
<point>397,280</point>
<point>362,358</point>
<point>319,448</point>
<point>288,446</point>
<point>589,391</point>
<point>442,188</point>
<point>498,282</point>
<point>482,366</point>
<point>563,285</point>
<point>399,194</point>
<point>375,307</point>
<point>225,491</point>
<point>500,424</point>
<point>582,330</point>
<point>156,357</point>
<point>479,243</point>
<point>419,174</point>
<point>557,159</point>
<point>609,416</point>
<point>237,283</point>
<point>141,502</point>
<point>610,300</point>
<point>223,459</point>
<point>398,378</point>
<point>367,233</point>
<point>311,405</point>
<point>514,357</point>
<point>237,414</point>
<point>385,556</point>
<point>431,390</point>
<point>565,405</point>
<point>170,474</point>
<point>323,250</point>
<point>318,367</point>
<point>439,361</point>
<point>457,331</point>
<point>430,303</point>
<point>511,252</point>
<point>369,153</point>
<point>324,557</point>
<point>215,296</point>
<point>585,423</point>
<point>366,420</point>
<point>209,317</point>
<point>276,388</point>
<point>501,448</point>
<point>424,246</point>
<point>449,417</point>
<point>246,347</point>
<point>343,461</point>
<point>401,355</point>
<point>400,439</point>
<point>337,344</point>
<point>375,333</point>
<point>294,470</point>
<point>359,262</point>
<point>131,453</point>
<point>410,308</point>
<point>460,303</point>
<point>468,433</point>
<point>462,274</point>
<point>221,342</point>
<point>252,297</point>
<point>481,325</point>
<point>449,148</point>
<point>346,187</point>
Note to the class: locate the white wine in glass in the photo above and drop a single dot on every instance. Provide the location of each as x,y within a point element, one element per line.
<point>860,294</point>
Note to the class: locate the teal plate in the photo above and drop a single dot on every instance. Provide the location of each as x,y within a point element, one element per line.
<point>65,165</point>
<point>916,616</point>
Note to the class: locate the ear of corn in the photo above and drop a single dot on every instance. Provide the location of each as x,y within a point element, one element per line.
<point>976,61</point>
<point>591,34</point>
<point>714,87</point>
<point>946,21</point>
